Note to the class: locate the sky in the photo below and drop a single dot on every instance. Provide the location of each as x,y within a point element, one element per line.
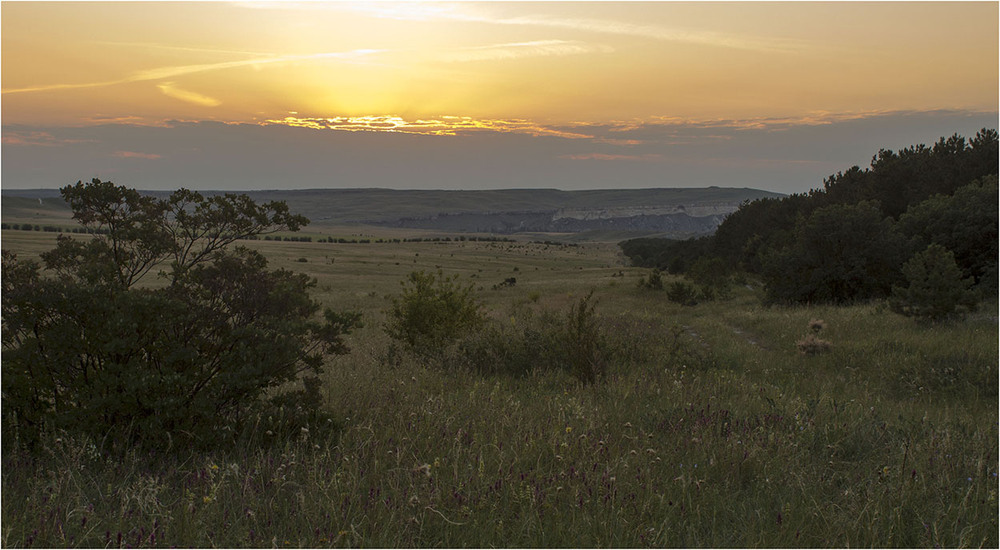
<point>483,95</point>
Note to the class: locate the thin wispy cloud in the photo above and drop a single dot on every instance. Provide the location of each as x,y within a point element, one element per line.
<point>136,155</point>
<point>648,157</point>
<point>517,50</point>
<point>191,49</point>
<point>170,90</point>
<point>452,12</point>
<point>161,73</point>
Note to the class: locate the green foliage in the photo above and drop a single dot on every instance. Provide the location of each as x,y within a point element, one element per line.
<point>665,254</point>
<point>682,293</point>
<point>546,342</point>
<point>840,254</point>
<point>581,342</point>
<point>432,312</point>
<point>964,223</point>
<point>87,352</point>
<point>765,236</point>
<point>712,276</point>
<point>936,288</point>
<point>653,282</point>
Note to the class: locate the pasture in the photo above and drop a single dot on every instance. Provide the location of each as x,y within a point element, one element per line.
<point>709,429</point>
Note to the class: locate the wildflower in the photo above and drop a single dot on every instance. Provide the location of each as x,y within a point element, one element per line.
<point>206,499</point>
<point>569,429</point>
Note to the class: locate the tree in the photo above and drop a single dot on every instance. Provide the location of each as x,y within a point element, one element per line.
<point>87,349</point>
<point>840,254</point>
<point>965,223</point>
<point>935,289</point>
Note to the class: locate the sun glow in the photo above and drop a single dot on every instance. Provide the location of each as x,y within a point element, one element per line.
<point>442,126</point>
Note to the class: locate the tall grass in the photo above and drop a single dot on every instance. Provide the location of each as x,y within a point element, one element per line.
<point>708,428</point>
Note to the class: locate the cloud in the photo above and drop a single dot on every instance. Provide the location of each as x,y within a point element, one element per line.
<point>467,153</point>
<point>161,73</point>
<point>407,11</point>
<point>604,156</point>
<point>517,50</point>
<point>36,138</point>
<point>442,126</point>
<point>135,155</point>
<point>170,90</point>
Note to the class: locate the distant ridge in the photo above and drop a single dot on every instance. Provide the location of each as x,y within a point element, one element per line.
<point>672,211</point>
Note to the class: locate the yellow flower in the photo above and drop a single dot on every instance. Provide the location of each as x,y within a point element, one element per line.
<point>206,499</point>
<point>569,429</point>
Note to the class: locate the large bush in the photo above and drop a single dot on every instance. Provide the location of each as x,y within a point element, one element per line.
<point>573,343</point>
<point>432,312</point>
<point>936,288</point>
<point>86,349</point>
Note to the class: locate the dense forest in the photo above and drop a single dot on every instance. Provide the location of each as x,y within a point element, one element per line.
<point>853,239</point>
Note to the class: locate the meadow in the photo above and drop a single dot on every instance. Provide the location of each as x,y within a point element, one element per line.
<point>708,428</point>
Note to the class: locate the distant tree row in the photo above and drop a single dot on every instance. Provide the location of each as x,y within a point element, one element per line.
<point>850,240</point>
<point>49,228</point>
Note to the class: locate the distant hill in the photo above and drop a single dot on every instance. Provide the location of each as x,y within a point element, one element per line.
<point>670,212</point>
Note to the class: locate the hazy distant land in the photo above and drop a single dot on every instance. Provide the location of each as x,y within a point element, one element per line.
<point>678,213</point>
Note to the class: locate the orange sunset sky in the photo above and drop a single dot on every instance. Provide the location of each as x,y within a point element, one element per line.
<point>484,94</point>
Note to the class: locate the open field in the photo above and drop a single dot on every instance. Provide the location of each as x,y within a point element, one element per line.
<point>710,428</point>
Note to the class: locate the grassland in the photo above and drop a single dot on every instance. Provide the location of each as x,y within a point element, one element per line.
<point>710,429</point>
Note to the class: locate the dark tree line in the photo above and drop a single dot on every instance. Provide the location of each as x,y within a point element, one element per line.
<point>849,240</point>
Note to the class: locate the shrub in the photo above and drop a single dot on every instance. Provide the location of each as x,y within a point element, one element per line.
<point>712,276</point>
<point>935,287</point>
<point>682,293</point>
<point>654,282</point>
<point>432,312</point>
<point>86,351</point>
<point>572,343</point>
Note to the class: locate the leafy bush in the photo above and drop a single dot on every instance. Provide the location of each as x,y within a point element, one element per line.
<point>935,288</point>
<point>653,282</point>
<point>86,351</point>
<point>682,293</point>
<point>712,276</point>
<point>432,312</point>
<point>581,342</point>
<point>572,343</point>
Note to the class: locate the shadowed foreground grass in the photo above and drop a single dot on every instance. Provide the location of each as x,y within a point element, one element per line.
<point>710,429</point>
